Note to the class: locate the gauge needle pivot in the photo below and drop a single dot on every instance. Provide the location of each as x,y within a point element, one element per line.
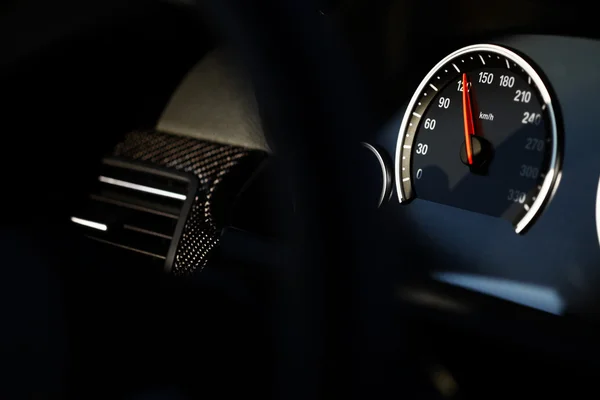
<point>467,118</point>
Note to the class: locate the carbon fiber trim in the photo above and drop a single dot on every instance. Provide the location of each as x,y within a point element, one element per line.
<point>213,164</point>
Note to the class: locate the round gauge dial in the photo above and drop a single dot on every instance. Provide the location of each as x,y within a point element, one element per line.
<point>481,134</point>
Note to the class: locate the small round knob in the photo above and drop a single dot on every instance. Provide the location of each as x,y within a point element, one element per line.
<point>379,173</point>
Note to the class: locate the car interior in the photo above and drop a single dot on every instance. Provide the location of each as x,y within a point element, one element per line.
<point>299,199</point>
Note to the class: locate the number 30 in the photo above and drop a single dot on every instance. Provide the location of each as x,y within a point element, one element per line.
<point>422,148</point>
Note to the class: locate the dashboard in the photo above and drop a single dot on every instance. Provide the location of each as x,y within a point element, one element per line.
<point>522,224</point>
<point>140,159</point>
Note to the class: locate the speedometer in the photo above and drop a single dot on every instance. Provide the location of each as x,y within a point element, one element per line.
<point>481,134</point>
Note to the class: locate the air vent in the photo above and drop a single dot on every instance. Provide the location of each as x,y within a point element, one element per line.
<point>137,208</point>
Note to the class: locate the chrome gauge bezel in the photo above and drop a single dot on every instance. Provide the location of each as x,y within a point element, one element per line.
<point>548,185</point>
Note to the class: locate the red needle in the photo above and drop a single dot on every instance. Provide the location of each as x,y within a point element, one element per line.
<point>467,118</point>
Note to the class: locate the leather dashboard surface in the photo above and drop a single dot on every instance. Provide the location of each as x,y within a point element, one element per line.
<point>215,102</point>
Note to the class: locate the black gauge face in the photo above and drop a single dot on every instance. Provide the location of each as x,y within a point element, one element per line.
<point>480,134</point>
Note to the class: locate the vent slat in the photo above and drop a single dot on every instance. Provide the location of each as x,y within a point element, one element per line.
<point>117,216</point>
<point>121,246</point>
<point>148,179</point>
<point>135,240</point>
<point>131,206</point>
<point>170,206</point>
